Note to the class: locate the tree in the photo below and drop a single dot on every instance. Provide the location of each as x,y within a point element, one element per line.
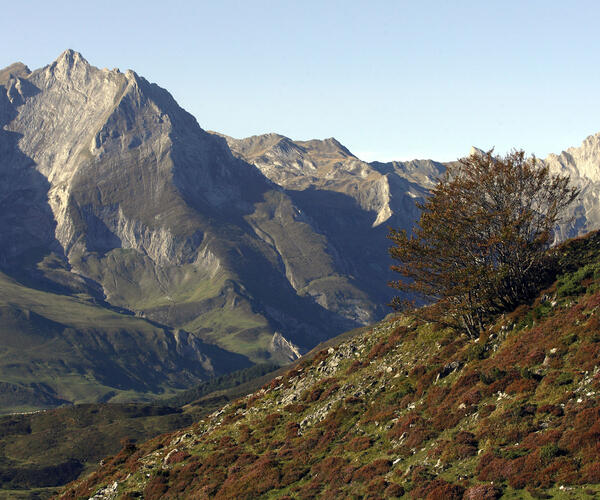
<point>481,244</point>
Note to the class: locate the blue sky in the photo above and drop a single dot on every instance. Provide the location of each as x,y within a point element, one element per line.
<point>389,79</point>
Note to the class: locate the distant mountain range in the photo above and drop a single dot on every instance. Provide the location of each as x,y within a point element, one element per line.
<point>140,254</point>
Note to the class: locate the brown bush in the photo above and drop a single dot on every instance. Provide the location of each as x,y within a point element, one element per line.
<point>394,490</point>
<point>178,456</point>
<point>359,444</point>
<point>372,470</point>
<point>483,492</point>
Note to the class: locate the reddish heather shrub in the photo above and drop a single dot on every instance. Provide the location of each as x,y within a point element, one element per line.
<point>230,418</point>
<point>245,433</point>
<point>585,432</point>
<point>157,486</point>
<point>555,410</point>
<point>464,437</point>
<point>320,356</point>
<point>292,472</point>
<point>178,456</point>
<point>425,381</point>
<point>252,399</point>
<point>376,488</point>
<point>413,428</point>
<point>591,473</point>
<point>586,357</point>
<point>372,470</point>
<point>226,441</point>
<point>378,414</point>
<point>331,468</point>
<point>444,417</point>
<point>447,491</point>
<point>353,400</point>
<point>328,392</point>
<point>291,430</point>
<point>295,408</point>
<point>262,476</point>
<point>537,439</point>
<point>437,489</point>
<point>359,444</point>
<point>535,356</point>
<point>471,397</point>
<point>326,439</point>
<point>418,371</point>
<point>436,395</point>
<point>246,459</point>
<point>394,490</point>
<point>521,385</point>
<point>490,468</point>
<point>311,489</point>
<point>486,411</point>
<point>273,383</point>
<point>483,492</point>
<point>355,365</point>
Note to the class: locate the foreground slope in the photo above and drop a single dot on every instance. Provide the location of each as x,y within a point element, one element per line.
<point>405,410</point>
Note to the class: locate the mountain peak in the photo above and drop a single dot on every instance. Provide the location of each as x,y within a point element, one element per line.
<point>476,151</point>
<point>70,58</point>
<point>17,69</point>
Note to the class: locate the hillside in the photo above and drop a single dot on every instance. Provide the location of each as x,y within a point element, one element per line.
<point>405,410</point>
<point>56,349</point>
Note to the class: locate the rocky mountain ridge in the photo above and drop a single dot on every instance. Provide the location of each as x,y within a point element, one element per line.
<point>113,196</point>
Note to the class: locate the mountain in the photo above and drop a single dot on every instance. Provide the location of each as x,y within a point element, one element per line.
<point>115,204</point>
<point>351,202</point>
<point>127,232</point>
<point>582,165</point>
<point>404,409</point>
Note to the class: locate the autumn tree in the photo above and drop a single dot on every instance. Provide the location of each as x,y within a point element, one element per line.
<point>481,244</point>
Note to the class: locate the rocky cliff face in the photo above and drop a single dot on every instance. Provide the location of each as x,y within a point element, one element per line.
<point>582,164</point>
<point>113,192</point>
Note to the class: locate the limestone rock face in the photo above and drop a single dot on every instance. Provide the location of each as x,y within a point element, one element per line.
<point>326,165</point>
<point>582,165</point>
<point>107,178</point>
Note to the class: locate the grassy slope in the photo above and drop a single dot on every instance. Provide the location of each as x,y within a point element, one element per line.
<point>56,348</point>
<point>406,410</point>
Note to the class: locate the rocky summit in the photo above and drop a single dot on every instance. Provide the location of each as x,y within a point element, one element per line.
<point>141,254</point>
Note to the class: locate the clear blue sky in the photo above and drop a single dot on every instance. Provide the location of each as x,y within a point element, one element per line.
<point>389,79</point>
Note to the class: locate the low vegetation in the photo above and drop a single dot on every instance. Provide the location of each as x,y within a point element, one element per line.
<point>406,409</point>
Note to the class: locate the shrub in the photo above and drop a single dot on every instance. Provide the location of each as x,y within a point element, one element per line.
<point>548,452</point>
<point>372,470</point>
<point>483,492</point>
